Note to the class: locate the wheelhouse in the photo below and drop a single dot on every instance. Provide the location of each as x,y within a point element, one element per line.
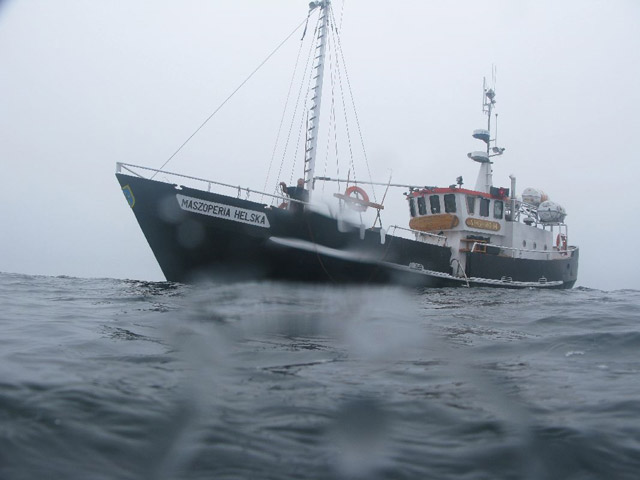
<point>446,209</point>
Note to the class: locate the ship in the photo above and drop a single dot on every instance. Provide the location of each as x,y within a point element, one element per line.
<point>489,236</point>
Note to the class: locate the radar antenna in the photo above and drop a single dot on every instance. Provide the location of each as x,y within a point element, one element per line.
<point>485,178</point>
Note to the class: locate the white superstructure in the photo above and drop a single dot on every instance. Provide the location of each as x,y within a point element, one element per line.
<point>490,219</point>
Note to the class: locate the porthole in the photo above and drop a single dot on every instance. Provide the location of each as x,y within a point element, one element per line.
<point>535,245</point>
<point>524,243</point>
<point>545,247</point>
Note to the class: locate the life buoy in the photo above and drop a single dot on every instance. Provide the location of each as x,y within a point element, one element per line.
<point>561,242</point>
<point>358,194</point>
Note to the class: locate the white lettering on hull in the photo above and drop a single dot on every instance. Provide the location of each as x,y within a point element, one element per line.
<point>220,210</point>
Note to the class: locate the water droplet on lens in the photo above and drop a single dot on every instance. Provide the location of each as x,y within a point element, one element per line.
<point>360,434</point>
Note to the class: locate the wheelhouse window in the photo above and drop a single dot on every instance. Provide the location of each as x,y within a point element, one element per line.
<point>422,206</point>
<point>498,209</point>
<point>471,205</point>
<point>434,201</point>
<point>484,207</point>
<point>412,207</point>
<point>450,203</point>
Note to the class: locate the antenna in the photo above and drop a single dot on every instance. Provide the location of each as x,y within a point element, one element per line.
<point>484,89</point>
<point>484,158</point>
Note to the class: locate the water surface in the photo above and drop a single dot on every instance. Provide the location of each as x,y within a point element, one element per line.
<point>116,379</point>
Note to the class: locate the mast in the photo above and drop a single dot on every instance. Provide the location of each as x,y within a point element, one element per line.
<point>485,175</point>
<point>316,97</point>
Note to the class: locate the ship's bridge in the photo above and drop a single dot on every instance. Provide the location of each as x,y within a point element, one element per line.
<point>457,209</point>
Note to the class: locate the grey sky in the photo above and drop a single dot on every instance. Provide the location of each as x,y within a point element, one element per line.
<point>86,84</point>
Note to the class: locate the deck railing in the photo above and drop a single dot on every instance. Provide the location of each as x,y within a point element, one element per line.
<point>128,167</point>
<point>518,252</point>
<point>438,239</point>
<point>204,183</point>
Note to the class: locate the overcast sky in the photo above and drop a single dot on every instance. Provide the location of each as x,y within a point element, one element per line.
<point>86,84</point>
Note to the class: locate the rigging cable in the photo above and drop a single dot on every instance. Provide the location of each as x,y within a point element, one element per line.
<point>355,111</point>
<point>295,110</point>
<point>232,94</point>
<point>335,120</point>
<point>305,123</point>
<point>332,118</point>
<point>344,108</point>
<point>341,14</point>
<point>284,110</point>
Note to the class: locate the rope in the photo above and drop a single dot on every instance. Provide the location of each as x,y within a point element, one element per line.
<point>313,240</point>
<point>295,110</point>
<point>305,121</point>
<point>344,110</point>
<point>284,110</point>
<point>382,203</point>
<point>335,122</point>
<point>303,125</point>
<point>341,15</point>
<point>232,94</point>
<point>355,111</point>
<point>332,119</point>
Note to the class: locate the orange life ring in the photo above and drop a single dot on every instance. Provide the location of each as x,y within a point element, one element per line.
<point>359,194</point>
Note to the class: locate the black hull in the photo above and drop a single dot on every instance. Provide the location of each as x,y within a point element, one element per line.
<point>198,235</point>
<point>511,269</point>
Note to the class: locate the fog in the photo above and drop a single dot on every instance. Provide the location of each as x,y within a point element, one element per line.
<point>88,84</point>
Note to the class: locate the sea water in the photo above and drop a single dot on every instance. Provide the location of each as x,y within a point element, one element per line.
<point>119,379</point>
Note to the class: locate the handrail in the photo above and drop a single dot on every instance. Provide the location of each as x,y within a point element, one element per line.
<point>120,166</point>
<point>364,182</point>
<point>502,247</point>
<point>420,232</point>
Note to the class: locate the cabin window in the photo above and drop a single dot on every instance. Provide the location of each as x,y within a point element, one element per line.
<point>422,206</point>
<point>450,203</point>
<point>484,207</point>
<point>471,204</point>
<point>412,206</point>
<point>498,208</point>
<point>434,200</point>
